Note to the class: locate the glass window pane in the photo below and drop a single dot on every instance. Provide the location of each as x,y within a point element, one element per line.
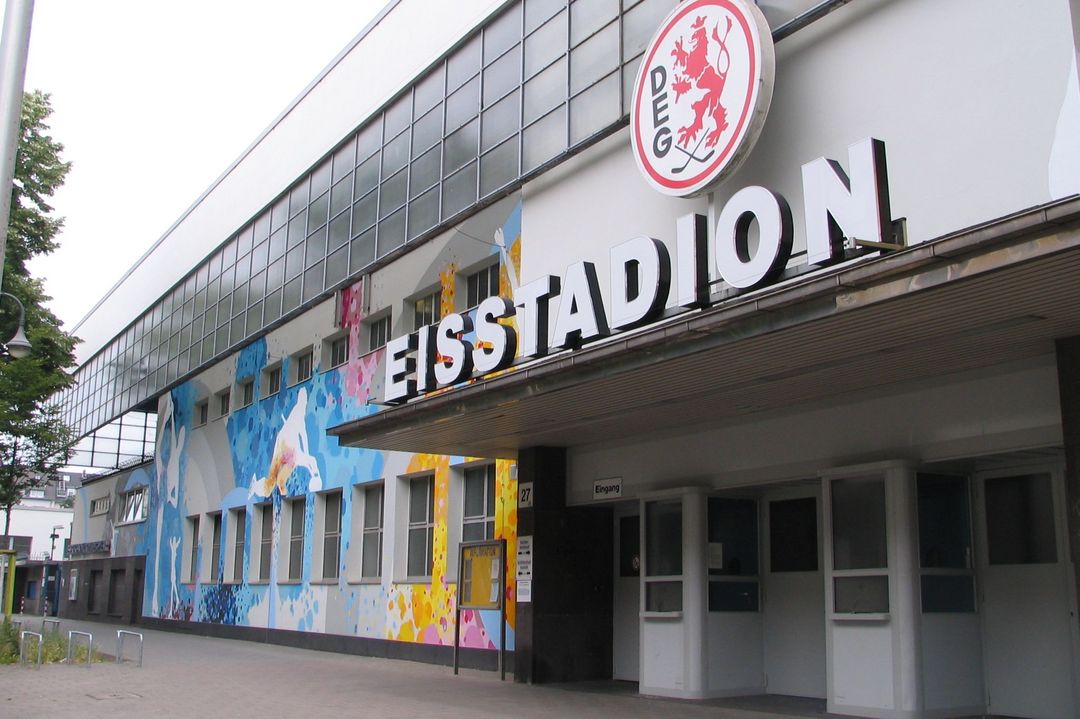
<point>277,245</point>
<point>472,532</point>
<point>948,593</point>
<point>594,109</point>
<point>317,213</point>
<point>392,193</point>
<point>272,306</point>
<point>392,233</point>
<point>395,155</point>
<point>429,91</point>
<point>425,171</point>
<point>373,507</point>
<point>463,64</point>
<point>663,538</point>
<point>639,25</point>
<point>427,131</point>
<point>537,11</point>
<point>315,249</point>
<point>858,519</point>
<point>297,230</point>
<point>320,179</point>
<point>944,522</point>
<point>362,251</point>
<point>339,232</point>
<point>275,274</point>
<point>423,213</point>
<point>459,191</point>
<point>499,167</point>
<point>588,16</point>
<point>290,297</point>
<point>502,76</point>
<point>663,596</point>
<point>254,319</point>
<point>460,148</point>
<point>418,565</point>
<point>1020,520</point>
<point>363,213</point>
<point>258,257</point>
<point>369,139</point>
<point>545,91</point>
<point>370,561</point>
<point>594,59</point>
<point>463,105</point>
<point>475,483</point>
<point>397,116</point>
<point>298,197</point>
<point>345,159</point>
<point>337,267</point>
<point>340,196</point>
<point>793,537</point>
<point>733,537</point>
<point>861,595</point>
<point>280,213</point>
<point>501,34</point>
<point>499,121</point>
<point>418,498</point>
<point>548,43</point>
<point>733,596</point>
<point>313,282</point>
<point>367,176</point>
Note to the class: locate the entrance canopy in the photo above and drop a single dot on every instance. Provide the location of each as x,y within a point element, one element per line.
<point>983,296</point>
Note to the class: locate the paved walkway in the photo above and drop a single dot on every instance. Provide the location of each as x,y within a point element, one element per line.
<point>190,676</point>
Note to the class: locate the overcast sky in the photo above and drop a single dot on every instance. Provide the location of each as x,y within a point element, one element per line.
<point>152,101</point>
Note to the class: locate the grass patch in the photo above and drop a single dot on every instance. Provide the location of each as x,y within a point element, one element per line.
<point>53,651</point>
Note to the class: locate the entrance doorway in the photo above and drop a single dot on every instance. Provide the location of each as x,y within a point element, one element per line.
<point>794,593</point>
<point>1028,603</point>
<point>626,648</point>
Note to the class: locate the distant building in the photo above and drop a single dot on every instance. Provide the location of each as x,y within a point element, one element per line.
<point>811,427</point>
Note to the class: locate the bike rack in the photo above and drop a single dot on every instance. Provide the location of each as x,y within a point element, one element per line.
<point>54,623</point>
<point>89,647</point>
<point>22,646</point>
<point>120,634</point>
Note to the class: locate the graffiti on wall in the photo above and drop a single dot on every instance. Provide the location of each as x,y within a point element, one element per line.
<point>276,453</point>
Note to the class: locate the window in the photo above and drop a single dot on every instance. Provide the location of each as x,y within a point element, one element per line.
<point>339,351</point>
<point>1020,520</point>
<point>371,560</point>
<point>331,549</point>
<point>793,535</point>
<point>733,555</point>
<point>481,285</point>
<point>479,517</point>
<point>421,525</point>
<point>215,548</point>
<point>663,556</point>
<point>302,363</point>
<point>193,549</point>
<point>35,493</point>
<point>294,563</point>
<point>378,333</point>
<point>100,505</point>
<point>223,399</point>
<point>202,412</point>
<point>860,579</point>
<point>426,309</point>
<point>246,390</point>
<point>266,539</point>
<point>271,380</point>
<point>947,577</point>
<point>134,506</point>
<point>239,523</point>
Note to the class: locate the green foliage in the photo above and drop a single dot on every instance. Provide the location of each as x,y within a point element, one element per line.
<point>33,438</point>
<point>53,650</point>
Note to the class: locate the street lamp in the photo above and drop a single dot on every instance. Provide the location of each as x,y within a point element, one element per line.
<point>18,346</point>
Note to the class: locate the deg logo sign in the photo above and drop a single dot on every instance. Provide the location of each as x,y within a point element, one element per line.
<point>701,95</point>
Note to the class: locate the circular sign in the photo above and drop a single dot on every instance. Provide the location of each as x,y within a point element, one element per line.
<point>701,95</point>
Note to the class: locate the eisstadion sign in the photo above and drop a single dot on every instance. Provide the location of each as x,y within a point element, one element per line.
<point>643,281</point>
<point>701,95</point>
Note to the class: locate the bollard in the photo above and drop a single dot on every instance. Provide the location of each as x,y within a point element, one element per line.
<point>22,646</point>
<point>120,634</point>
<point>89,647</point>
<point>54,623</point>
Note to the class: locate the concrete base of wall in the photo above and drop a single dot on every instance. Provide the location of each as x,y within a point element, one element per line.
<point>468,658</point>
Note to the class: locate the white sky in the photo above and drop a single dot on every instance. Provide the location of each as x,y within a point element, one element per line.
<point>153,100</point>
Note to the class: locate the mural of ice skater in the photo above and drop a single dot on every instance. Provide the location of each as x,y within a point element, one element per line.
<point>290,452</point>
<point>168,487</point>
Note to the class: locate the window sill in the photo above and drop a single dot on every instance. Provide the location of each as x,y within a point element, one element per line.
<point>860,617</point>
<point>259,582</point>
<point>325,581</point>
<point>661,616</point>
<point>413,580</point>
<point>286,582</point>
<point>373,581</point>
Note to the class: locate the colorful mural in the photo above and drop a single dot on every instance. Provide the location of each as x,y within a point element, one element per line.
<point>276,450</point>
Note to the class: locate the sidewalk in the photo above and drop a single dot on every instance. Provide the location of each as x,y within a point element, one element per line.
<point>191,676</point>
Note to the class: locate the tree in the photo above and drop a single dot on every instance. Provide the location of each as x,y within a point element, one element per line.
<point>34,440</point>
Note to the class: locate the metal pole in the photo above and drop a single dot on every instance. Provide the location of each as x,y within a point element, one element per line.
<point>14,46</point>
<point>9,590</point>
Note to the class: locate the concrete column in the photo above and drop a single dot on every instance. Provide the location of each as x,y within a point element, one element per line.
<point>695,592</point>
<point>904,590</point>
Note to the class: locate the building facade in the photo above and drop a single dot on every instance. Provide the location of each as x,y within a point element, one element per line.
<point>813,430</point>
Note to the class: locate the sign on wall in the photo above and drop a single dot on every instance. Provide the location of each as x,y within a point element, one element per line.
<point>701,95</point>
<point>482,585</point>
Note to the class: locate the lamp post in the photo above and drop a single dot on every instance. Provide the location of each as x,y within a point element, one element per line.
<point>18,346</point>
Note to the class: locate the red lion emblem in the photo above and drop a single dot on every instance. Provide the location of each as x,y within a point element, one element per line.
<point>705,75</point>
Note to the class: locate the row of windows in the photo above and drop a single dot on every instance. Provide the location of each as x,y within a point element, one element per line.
<point>226,559</point>
<point>538,81</point>
<point>134,505</point>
